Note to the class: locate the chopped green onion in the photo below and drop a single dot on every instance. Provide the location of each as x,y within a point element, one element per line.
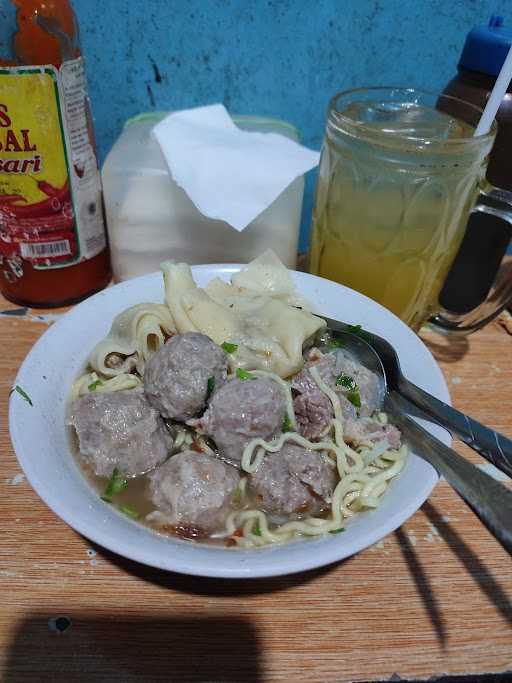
<point>354,397</point>
<point>358,331</point>
<point>346,381</point>
<point>93,385</point>
<point>116,484</point>
<point>210,386</point>
<point>229,347</point>
<point>107,500</point>
<point>22,393</point>
<point>336,531</point>
<point>334,344</point>
<point>237,495</point>
<point>256,529</point>
<point>243,374</point>
<point>287,424</point>
<point>129,511</point>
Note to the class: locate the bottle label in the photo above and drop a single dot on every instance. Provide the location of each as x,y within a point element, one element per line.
<point>50,190</point>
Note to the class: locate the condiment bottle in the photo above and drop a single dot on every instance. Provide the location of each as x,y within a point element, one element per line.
<point>479,265</point>
<point>53,247</point>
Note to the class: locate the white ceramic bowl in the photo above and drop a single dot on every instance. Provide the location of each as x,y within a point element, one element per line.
<point>41,443</point>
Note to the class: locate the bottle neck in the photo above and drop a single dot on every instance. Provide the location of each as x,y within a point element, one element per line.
<point>47,32</point>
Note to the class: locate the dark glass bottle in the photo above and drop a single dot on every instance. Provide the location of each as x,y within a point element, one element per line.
<point>483,250</point>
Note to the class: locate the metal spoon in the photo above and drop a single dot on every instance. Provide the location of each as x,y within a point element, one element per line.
<point>489,500</point>
<point>377,354</point>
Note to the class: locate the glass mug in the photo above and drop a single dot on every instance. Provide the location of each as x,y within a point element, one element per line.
<point>400,173</point>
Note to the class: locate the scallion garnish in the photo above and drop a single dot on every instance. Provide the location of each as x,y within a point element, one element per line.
<point>94,385</point>
<point>346,381</point>
<point>229,347</point>
<point>336,531</point>
<point>349,383</point>
<point>129,511</point>
<point>287,423</point>
<point>243,374</point>
<point>116,484</point>
<point>256,529</point>
<point>334,344</point>
<point>354,397</point>
<point>210,386</point>
<point>22,393</point>
<point>358,331</point>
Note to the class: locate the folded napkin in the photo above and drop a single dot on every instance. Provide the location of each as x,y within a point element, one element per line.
<point>229,174</point>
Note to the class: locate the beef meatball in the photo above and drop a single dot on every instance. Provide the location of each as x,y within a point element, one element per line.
<point>176,376</point>
<point>366,380</point>
<point>122,430</point>
<point>243,410</point>
<point>194,490</point>
<point>368,431</point>
<point>313,409</point>
<point>294,480</point>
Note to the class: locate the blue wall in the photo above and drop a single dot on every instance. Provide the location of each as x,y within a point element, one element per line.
<point>281,58</point>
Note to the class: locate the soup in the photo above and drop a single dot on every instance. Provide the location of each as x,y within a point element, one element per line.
<point>218,441</point>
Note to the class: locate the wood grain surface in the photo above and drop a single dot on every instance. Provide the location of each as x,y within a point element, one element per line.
<point>435,597</point>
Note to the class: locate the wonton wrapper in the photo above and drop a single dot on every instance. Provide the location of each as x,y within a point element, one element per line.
<point>135,335</point>
<point>254,313</point>
<point>267,275</point>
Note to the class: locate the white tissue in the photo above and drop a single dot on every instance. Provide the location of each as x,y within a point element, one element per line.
<point>229,174</point>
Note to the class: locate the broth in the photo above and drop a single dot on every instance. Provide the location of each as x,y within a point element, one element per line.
<point>137,497</point>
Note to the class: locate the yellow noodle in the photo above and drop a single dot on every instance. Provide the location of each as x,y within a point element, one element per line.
<point>360,486</point>
<point>328,392</point>
<point>118,383</point>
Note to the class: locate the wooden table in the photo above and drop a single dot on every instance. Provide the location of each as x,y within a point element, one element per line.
<point>434,597</point>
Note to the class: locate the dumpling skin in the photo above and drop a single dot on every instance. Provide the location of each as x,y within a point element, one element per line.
<point>269,321</point>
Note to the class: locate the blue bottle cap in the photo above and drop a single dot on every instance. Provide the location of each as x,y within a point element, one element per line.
<point>486,47</point>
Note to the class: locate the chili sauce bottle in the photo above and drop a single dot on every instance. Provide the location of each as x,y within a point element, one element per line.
<point>53,247</point>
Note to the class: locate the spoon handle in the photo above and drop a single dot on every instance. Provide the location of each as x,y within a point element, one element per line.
<point>491,445</point>
<point>489,500</point>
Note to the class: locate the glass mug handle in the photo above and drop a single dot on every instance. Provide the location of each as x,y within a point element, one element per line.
<point>479,284</point>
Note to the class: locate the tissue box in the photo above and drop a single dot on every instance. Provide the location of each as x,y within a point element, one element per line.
<point>150,219</point>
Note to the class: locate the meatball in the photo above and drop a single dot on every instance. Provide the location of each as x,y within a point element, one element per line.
<point>367,431</point>
<point>313,410</point>
<point>122,430</point>
<point>366,380</point>
<point>294,480</point>
<point>243,410</point>
<point>194,490</point>
<point>176,379</point>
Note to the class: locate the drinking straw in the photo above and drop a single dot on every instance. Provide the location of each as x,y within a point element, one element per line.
<point>496,96</point>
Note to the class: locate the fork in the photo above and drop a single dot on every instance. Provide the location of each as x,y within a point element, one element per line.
<point>491,445</point>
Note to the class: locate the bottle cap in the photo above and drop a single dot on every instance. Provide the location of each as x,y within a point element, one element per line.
<point>486,47</point>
